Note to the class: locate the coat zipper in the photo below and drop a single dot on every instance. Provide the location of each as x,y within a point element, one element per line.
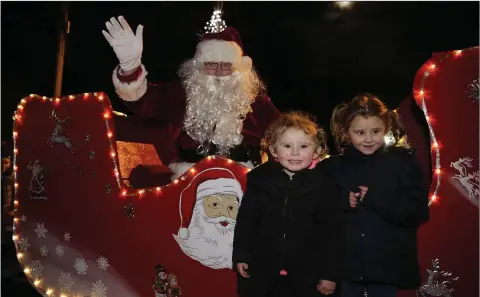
<point>285,209</point>
<point>285,226</point>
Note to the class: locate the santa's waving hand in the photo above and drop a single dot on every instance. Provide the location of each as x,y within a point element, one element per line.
<point>127,46</point>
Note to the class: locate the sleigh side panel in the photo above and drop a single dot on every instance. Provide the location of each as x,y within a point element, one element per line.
<point>80,230</point>
<point>66,181</point>
<point>446,89</point>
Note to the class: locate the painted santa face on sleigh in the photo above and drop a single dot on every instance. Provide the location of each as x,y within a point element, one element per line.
<point>209,236</point>
<point>221,210</point>
<point>218,69</point>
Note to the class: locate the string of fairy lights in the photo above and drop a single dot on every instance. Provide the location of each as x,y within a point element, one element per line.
<point>18,119</point>
<point>123,190</point>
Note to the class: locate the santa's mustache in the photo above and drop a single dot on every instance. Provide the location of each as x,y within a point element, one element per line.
<point>221,219</point>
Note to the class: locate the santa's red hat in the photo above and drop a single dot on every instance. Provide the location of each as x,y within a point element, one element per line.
<point>225,46</point>
<point>208,182</point>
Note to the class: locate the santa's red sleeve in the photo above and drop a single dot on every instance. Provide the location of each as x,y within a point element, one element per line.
<point>264,113</point>
<point>164,101</point>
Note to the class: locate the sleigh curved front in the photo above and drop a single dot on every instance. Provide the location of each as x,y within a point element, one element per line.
<point>81,227</point>
<point>446,88</point>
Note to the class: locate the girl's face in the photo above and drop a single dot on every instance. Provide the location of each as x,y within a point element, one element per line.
<point>366,134</point>
<point>294,150</point>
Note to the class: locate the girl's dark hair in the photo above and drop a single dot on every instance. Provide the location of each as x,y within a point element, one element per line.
<point>366,105</point>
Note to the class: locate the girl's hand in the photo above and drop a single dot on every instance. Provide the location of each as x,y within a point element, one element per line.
<point>242,269</point>
<point>364,191</point>
<point>354,199</point>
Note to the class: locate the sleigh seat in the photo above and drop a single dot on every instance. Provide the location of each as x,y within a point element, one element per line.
<point>142,147</point>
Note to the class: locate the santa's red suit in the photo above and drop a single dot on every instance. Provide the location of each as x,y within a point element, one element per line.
<point>198,125</point>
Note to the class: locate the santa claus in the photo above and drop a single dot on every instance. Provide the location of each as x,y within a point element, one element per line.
<point>206,232</point>
<point>217,106</point>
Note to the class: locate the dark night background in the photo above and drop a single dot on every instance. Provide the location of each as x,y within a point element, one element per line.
<point>311,55</point>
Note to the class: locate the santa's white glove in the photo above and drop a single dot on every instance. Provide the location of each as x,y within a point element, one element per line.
<point>127,46</point>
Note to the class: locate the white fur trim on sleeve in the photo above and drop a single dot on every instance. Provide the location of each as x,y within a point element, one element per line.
<point>131,91</point>
<point>218,51</point>
<point>179,168</point>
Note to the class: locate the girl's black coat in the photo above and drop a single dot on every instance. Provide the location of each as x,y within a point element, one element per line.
<point>288,223</point>
<point>381,234</point>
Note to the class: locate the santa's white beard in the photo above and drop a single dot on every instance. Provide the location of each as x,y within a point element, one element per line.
<point>209,242</point>
<point>217,106</point>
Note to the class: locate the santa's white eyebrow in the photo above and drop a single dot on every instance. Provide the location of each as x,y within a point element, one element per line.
<point>215,195</point>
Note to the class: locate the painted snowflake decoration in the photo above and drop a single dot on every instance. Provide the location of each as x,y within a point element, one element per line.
<point>41,231</point>
<point>22,244</point>
<point>36,268</point>
<point>59,250</point>
<point>23,218</point>
<point>44,250</point>
<point>81,266</point>
<point>102,263</point>
<point>99,289</point>
<point>66,236</point>
<point>65,281</point>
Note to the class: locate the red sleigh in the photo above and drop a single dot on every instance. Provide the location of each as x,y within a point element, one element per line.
<point>446,89</point>
<point>82,225</point>
<point>89,222</point>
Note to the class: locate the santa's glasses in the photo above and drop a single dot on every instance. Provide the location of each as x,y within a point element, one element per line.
<point>214,66</point>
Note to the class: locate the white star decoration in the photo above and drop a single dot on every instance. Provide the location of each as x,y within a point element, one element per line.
<point>102,263</point>
<point>23,218</point>
<point>81,266</point>
<point>65,280</point>
<point>66,236</point>
<point>44,250</point>
<point>36,268</point>
<point>22,244</point>
<point>41,231</point>
<point>99,289</point>
<point>59,250</point>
